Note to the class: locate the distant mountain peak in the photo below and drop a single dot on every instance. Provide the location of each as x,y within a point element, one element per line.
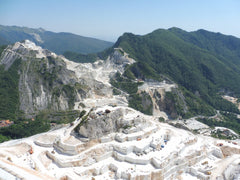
<point>41,29</point>
<point>56,42</point>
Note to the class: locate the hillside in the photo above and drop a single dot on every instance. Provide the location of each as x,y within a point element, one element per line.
<point>56,42</point>
<point>39,88</point>
<point>205,65</point>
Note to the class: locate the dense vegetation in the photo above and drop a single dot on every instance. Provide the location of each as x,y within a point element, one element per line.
<point>142,71</point>
<point>124,84</point>
<point>9,101</point>
<point>56,42</point>
<point>59,117</point>
<point>2,47</point>
<point>83,119</point>
<point>196,105</point>
<point>24,127</point>
<point>9,97</point>
<point>9,107</point>
<point>141,102</point>
<point>193,60</point>
<point>229,120</point>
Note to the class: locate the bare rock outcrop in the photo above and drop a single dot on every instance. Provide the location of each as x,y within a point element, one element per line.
<point>44,80</point>
<point>101,123</point>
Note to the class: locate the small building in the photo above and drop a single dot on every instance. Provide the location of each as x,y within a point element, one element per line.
<point>6,123</point>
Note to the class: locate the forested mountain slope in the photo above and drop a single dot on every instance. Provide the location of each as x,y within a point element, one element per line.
<point>56,42</point>
<point>204,64</point>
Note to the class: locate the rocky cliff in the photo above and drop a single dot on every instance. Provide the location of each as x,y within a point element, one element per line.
<point>51,82</point>
<point>44,82</point>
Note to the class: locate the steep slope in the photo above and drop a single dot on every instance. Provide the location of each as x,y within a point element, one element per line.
<point>36,89</point>
<point>36,83</point>
<point>56,42</point>
<point>222,46</point>
<point>42,75</point>
<point>200,72</point>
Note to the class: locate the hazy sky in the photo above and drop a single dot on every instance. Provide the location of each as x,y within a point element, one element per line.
<point>108,19</point>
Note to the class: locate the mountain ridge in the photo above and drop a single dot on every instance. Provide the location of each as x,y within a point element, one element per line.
<point>161,47</point>
<point>56,42</point>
